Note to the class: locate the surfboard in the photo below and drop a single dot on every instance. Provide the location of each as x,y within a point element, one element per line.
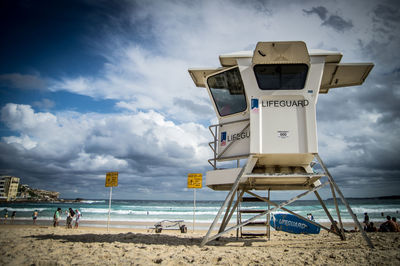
<point>292,224</point>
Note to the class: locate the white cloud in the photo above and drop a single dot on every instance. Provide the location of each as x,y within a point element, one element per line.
<point>140,79</point>
<point>86,162</point>
<point>25,141</point>
<point>22,118</point>
<point>99,142</point>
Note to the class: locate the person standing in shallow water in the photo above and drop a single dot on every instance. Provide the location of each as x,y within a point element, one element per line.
<point>68,221</point>
<point>366,220</point>
<point>78,217</point>
<point>5,216</point>
<point>14,213</point>
<point>35,216</point>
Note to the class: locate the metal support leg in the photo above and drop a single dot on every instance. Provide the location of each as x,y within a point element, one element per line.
<point>223,226</point>
<point>338,212</point>
<point>237,214</point>
<point>328,214</point>
<point>226,214</point>
<point>366,238</point>
<point>269,218</point>
<point>250,164</point>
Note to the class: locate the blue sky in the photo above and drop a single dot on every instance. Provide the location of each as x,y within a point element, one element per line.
<point>88,87</point>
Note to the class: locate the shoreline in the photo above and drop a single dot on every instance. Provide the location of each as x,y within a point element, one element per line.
<point>148,225</point>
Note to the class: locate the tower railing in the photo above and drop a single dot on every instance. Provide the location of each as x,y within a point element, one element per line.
<point>213,144</point>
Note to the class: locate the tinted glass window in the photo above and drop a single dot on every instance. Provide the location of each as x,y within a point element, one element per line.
<point>228,92</point>
<point>281,77</point>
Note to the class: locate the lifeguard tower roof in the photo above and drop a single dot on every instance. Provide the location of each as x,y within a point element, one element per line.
<point>335,74</point>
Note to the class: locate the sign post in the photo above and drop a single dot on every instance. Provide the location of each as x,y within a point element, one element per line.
<point>194,181</point>
<point>111,181</point>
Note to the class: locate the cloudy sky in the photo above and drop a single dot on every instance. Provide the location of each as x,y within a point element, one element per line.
<point>88,87</point>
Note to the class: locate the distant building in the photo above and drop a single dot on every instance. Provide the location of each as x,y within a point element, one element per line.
<point>2,190</point>
<point>9,187</point>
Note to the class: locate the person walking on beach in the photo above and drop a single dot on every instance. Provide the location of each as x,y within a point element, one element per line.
<point>14,213</point>
<point>68,218</point>
<point>78,217</point>
<point>5,216</point>
<point>35,216</point>
<point>56,217</point>
<point>366,218</point>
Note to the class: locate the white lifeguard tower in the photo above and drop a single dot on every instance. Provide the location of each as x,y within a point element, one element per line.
<point>265,101</point>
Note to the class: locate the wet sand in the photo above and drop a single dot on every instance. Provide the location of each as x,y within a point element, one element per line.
<point>45,245</point>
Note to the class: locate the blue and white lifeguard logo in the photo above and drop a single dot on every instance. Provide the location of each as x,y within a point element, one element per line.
<point>223,138</point>
<point>254,105</point>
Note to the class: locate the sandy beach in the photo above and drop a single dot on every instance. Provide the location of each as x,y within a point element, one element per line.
<point>45,245</point>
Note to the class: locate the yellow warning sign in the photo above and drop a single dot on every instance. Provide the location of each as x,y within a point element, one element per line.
<point>195,181</point>
<point>112,179</point>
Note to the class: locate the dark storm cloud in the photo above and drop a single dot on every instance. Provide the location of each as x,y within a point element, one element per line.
<point>382,92</point>
<point>374,183</point>
<point>366,121</point>
<point>378,95</point>
<point>383,97</point>
<point>385,37</point>
<point>142,174</point>
<point>372,155</point>
<point>321,11</point>
<point>377,50</point>
<point>372,145</point>
<point>334,106</point>
<point>390,14</point>
<point>333,21</point>
<point>35,171</point>
<point>338,23</point>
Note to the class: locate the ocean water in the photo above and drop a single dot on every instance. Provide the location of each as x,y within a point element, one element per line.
<point>151,211</point>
